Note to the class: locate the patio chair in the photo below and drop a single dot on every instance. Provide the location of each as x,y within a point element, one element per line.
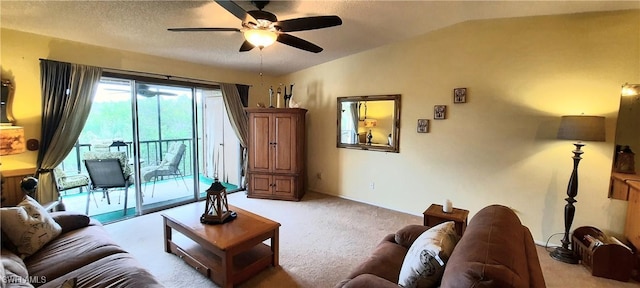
<point>169,167</point>
<point>65,181</point>
<point>108,170</point>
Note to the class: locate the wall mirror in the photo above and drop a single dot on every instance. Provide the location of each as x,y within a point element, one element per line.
<point>6,101</point>
<point>369,123</point>
<point>628,134</point>
<point>628,125</point>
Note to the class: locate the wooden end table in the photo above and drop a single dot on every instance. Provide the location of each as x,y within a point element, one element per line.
<point>225,253</point>
<point>434,216</point>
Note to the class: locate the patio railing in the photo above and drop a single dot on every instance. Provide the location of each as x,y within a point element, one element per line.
<point>151,153</point>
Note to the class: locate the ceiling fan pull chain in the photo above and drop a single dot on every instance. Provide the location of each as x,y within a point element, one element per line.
<point>261,79</point>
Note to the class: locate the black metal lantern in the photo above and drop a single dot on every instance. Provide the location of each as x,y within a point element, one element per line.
<point>216,209</point>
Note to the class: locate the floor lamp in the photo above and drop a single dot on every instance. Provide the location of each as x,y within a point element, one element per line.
<point>580,128</point>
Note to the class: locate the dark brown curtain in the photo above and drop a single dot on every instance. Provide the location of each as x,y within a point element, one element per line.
<point>67,93</point>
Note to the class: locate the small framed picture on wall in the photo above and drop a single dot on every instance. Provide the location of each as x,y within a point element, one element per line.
<point>423,125</point>
<point>460,95</point>
<point>440,112</point>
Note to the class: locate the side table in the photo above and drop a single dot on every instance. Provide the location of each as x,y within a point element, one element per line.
<point>11,191</point>
<point>434,216</point>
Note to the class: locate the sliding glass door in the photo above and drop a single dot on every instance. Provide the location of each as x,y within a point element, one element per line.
<point>177,138</point>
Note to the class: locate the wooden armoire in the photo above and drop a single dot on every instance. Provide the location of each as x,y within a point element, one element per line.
<point>276,167</point>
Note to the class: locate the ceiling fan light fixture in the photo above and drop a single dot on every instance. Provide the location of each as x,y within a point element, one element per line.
<point>260,37</point>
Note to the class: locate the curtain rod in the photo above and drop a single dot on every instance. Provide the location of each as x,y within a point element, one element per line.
<point>155,75</point>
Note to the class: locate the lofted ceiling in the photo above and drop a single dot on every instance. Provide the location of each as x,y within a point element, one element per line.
<point>141,26</point>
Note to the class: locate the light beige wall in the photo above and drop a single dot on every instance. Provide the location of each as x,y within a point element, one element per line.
<point>382,112</point>
<point>522,74</point>
<point>20,54</point>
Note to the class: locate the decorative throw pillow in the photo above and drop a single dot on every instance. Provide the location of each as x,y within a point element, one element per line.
<point>13,272</point>
<point>423,266</point>
<point>28,226</point>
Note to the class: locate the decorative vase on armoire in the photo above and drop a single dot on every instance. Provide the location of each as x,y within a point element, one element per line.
<point>625,160</point>
<point>276,167</point>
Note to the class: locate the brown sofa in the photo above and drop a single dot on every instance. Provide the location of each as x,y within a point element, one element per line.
<point>83,251</point>
<point>496,250</point>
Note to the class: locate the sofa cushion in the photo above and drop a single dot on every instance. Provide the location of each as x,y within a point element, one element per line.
<point>116,270</point>
<point>491,253</point>
<point>367,281</point>
<point>28,226</point>
<point>70,283</point>
<point>75,249</point>
<point>425,261</point>
<point>385,260</point>
<point>70,221</point>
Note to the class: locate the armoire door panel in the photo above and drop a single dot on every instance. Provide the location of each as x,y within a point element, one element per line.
<point>261,184</point>
<point>285,135</point>
<point>261,143</point>
<point>284,185</point>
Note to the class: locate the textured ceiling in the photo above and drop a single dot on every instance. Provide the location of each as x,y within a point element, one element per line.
<point>141,26</point>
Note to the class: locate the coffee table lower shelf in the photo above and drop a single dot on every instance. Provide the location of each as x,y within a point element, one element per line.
<point>208,264</point>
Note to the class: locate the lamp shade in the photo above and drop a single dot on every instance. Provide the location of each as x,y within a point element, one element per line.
<point>11,140</point>
<point>582,128</point>
<point>370,123</point>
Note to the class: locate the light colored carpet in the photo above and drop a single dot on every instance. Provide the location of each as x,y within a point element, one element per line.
<point>321,239</point>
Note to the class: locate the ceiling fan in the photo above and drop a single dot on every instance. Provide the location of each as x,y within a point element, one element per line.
<point>261,28</point>
<point>147,91</point>
<point>143,90</point>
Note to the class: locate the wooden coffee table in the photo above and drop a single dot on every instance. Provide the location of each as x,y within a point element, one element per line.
<point>226,253</point>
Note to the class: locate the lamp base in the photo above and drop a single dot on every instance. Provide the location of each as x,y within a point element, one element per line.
<point>564,255</point>
<point>207,220</point>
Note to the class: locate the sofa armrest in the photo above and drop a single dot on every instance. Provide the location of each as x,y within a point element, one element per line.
<point>366,281</point>
<point>535,271</point>
<point>70,221</point>
<point>408,234</point>
<point>495,251</point>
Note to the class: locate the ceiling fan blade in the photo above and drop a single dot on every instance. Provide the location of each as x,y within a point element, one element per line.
<point>146,91</point>
<point>298,43</point>
<point>203,29</point>
<point>308,23</point>
<point>246,46</point>
<point>236,10</point>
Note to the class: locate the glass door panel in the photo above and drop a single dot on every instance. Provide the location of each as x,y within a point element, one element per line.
<point>220,148</point>
<point>166,133</point>
<point>107,132</point>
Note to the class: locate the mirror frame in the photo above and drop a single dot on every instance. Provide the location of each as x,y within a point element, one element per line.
<point>396,126</point>
<point>7,87</point>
